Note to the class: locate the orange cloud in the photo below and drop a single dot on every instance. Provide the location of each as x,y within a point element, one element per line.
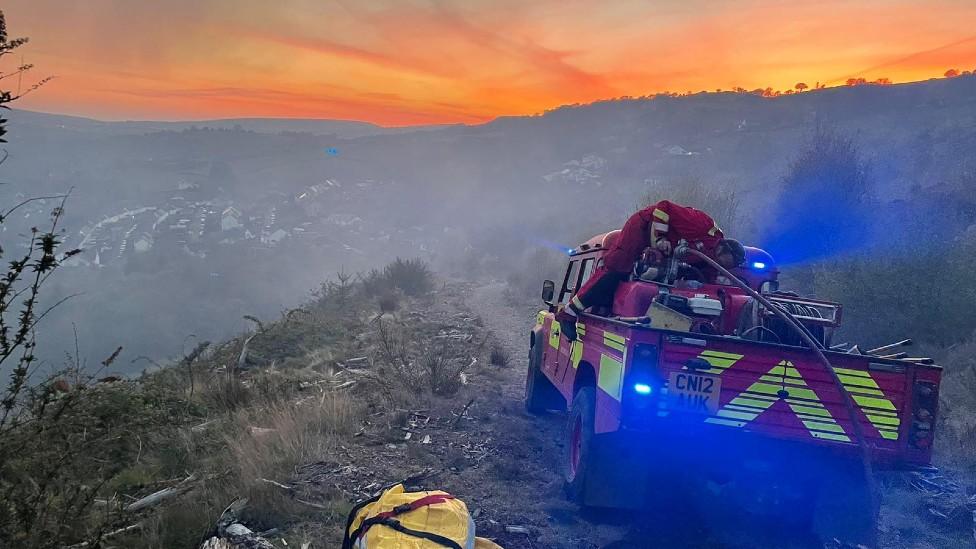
<point>400,62</point>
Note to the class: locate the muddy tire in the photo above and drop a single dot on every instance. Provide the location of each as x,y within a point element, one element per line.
<point>540,393</point>
<point>579,454</point>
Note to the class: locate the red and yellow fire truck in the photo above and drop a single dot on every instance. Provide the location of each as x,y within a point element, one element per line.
<point>696,387</point>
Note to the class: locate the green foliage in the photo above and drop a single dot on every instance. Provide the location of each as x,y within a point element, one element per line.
<point>928,296</point>
<point>76,447</point>
<point>411,276</point>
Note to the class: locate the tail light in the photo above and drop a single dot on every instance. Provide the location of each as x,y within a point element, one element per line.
<point>924,408</point>
<point>642,384</point>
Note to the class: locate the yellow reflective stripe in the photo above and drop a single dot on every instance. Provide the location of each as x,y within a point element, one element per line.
<point>614,337</point>
<point>810,410</point>
<point>849,372</point>
<point>743,401</point>
<point>540,318</point>
<point>713,230</point>
<point>610,378</point>
<point>576,353</point>
<point>882,413</point>
<point>554,335</point>
<point>831,436</point>
<point>613,344</point>
<point>662,215</point>
<point>720,354</point>
<point>577,303</point>
<point>796,392</point>
<point>863,391</point>
<point>581,329</point>
<point>723,421</point>
<point>741,408</point>
<point>748,416</point>
<point>804,403</point>
<point>719,359</point>
<point>821,426</point>
<point>880,403</point>
<point>787,381</point>
<point>858,381</point>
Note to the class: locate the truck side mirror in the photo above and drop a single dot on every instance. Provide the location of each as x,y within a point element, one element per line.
<point>548,290</point>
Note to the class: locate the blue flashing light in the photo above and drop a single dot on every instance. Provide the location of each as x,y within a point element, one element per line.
<point>569,251</point>
<point>758,265</point>
<point>642,388</point>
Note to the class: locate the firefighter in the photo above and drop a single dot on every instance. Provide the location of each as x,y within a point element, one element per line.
<point>660,226</point>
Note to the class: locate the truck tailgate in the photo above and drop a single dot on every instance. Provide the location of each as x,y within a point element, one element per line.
<point>786,392</point>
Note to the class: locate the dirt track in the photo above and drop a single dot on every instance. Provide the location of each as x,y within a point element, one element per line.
<point>505,464</point>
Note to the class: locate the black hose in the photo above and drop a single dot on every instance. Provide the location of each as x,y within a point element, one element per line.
<point>815,347</point>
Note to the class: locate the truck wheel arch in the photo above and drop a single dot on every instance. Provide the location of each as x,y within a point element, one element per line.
<point>585,377</point>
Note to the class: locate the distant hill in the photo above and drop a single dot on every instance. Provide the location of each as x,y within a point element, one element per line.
<point>345,129</point>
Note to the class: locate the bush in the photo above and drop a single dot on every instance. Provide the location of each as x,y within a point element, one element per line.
<point>412,276</point>
<point>822,204</point>
<point>388,302</point>
<point>499,357</point>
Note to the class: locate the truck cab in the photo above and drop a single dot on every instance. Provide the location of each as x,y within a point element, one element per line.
<point>687,376</point>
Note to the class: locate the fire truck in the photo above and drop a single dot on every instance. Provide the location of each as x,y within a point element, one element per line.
<point>729,392</point>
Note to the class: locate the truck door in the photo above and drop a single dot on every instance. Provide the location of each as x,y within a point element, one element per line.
<point>570,351</point>
<point>557,342</point>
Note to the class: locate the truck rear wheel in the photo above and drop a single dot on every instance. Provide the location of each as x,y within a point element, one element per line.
<point>845,508</point>
<point>540,393</point>
<point>578,459</point>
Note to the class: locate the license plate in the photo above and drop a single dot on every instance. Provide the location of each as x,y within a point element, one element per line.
<point>691,392</point>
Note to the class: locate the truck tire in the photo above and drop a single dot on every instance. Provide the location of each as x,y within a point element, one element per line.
<point>579,454</point>
<point>540,393</point>
<point>845,510</point>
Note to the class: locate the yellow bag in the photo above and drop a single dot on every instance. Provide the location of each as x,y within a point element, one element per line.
<point>397,519</point>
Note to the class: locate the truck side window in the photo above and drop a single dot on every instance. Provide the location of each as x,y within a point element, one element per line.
<point>569,282</point>
<point>586,272</point>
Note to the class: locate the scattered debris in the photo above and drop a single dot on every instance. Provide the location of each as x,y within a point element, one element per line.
<point>155,498</point>
<point>944,499</point>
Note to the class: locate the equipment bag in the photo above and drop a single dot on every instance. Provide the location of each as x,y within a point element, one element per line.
<point>397,519</point>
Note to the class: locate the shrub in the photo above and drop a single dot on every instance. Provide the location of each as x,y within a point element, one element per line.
<point>388,302</point>
<point>412,276</point>
<point>443,372</point>
<point>499,356</point>
<point>373,282</point>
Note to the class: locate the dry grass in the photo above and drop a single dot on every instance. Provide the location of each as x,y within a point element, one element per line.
<point>499,356</point>
<point>270,442</point>
<point>956,434</point>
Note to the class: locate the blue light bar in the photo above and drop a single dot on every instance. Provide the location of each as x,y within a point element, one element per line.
<point>642,388</point>
<point>758,265</point>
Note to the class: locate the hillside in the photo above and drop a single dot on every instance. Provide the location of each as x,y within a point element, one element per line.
<point>256,216</point>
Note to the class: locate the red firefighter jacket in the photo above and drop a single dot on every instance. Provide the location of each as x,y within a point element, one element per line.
<point>664,219</point>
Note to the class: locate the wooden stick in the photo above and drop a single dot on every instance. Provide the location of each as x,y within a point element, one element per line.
<point>166,493</point>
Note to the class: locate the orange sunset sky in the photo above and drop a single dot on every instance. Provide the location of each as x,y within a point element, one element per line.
<point>399,62</point>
